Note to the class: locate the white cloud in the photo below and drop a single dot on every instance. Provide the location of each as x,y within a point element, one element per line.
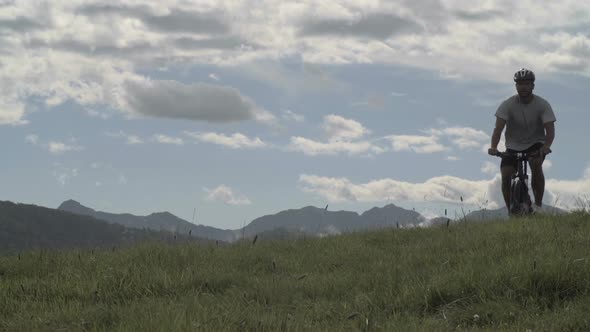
<point>60,147</point>
<point>569,194</point>
<point>314,148</point>
<point>341,129</point>
<point>292,116</point>
<point>235,141</point>
<point>501,145</point>
<point>226,195</point>
<point>547,165</point>
<point>266,117</point>
<point>437,189</point>
<point>490,168</point>
<point>449,74</point>
<point>54,147</point>
<point>54,76</point>
<point>32,139</point>
<point>342,136</point>
<point>214,77</point>
<point>64,175</point>
<point>164,139</point>
<point>415,143</point>
<point>130,139</point>
<point>570,52</point>
<point>441,122</point>
<point>12,113</point>
<point>462,137</point>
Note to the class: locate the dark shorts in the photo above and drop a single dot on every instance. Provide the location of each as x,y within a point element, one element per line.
<point>507,161</point>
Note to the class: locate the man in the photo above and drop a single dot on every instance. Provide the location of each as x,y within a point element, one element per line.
<point>530,127</point>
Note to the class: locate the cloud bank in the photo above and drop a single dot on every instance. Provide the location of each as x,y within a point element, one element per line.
<point>104,62</point>
<point>566,194</point>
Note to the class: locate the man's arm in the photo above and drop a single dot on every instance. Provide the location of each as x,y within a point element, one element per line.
<point>500,124</point>
<point>549,136</point>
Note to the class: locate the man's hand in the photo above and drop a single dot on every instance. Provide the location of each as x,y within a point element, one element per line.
<point>492,151</point>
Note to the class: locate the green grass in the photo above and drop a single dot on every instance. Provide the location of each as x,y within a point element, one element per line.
<point>506,275</point>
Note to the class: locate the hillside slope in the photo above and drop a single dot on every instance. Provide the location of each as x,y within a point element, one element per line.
<point>516,275</point>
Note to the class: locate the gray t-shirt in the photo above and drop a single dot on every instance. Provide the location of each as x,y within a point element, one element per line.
<point>525,122</point>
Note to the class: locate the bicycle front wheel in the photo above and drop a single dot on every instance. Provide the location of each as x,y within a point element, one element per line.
<point>520,200</point>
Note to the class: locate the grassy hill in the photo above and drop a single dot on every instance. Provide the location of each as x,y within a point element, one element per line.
<point>510,275</point>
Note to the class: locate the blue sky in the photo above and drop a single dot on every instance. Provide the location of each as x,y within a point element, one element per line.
<point>239,110</point>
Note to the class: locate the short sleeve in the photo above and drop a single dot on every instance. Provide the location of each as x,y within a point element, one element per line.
<point>548,115</point>
<point>502,111</point>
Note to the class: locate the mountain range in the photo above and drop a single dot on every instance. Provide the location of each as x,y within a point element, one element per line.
<point>307,220</point>
<point>26,226</point>
<point>160,221</point>
<point>72,224</point>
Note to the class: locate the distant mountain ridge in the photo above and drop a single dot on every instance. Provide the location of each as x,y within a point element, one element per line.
<point>156,221</point>
<point>75,225</point>
<point>313,220</point>
<point>309,220</point>
<point>26,226</point>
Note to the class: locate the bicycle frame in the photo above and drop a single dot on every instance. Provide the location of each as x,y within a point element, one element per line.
<point>520,199</point>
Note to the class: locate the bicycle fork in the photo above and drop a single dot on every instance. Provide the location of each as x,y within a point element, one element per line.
<point>520,191</point>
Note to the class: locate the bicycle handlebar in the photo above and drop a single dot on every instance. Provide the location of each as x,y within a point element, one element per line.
<point>515,154</point>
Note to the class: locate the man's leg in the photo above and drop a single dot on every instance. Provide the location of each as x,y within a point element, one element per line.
<point>537,179</point>
<point>507,172</point>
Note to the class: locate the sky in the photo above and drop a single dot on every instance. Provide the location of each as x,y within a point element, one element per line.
<point>224,111</point>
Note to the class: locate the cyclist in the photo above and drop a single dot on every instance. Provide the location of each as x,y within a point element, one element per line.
<point>530,127</point>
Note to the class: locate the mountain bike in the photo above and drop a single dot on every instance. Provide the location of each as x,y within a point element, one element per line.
<point>520,199</point>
